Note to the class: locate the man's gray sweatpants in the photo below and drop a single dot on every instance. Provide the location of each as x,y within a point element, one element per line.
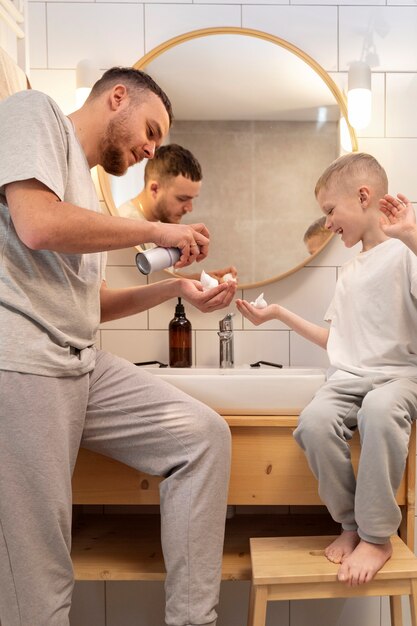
<point>383,411</point>
<point>122,412</point>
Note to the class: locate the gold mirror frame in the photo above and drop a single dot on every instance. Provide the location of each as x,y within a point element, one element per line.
<point>103,177</point>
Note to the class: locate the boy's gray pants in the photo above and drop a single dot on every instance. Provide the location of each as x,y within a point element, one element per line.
<point>122,412</point>
<point>383,411</point>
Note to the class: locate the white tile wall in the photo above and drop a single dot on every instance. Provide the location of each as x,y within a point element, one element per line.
<point>165,21</point>
<point>334,33</point>
<point>313,29</point>
<point>397,156</point>
<point>112,34</point>
<point>401,118</point>
<point>37,35</point>
<point>385,36</point>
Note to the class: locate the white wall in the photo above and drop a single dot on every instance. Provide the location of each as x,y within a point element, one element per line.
<point>119,33</point>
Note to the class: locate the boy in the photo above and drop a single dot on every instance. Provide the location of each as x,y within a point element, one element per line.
<point>316,234</point>
<point>372,346</point>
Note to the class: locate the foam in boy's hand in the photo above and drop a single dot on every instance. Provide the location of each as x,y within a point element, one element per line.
<point>260,302</point>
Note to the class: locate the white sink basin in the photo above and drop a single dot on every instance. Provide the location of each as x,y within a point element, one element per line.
<point>247,391</point>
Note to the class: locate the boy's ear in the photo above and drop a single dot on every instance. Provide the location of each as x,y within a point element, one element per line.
<point>364,196</point>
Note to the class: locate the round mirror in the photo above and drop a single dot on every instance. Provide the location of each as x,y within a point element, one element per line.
<point>264,120</point>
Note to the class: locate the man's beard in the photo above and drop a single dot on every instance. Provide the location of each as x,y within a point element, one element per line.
<point>113,158</point>
<point>160,212</point>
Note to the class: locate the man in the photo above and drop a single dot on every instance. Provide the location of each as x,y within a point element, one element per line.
<point>56,390</point>
<point>172,183</point>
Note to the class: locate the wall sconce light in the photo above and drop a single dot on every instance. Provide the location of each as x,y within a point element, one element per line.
<point>359,95</point>
<point>86,74</point>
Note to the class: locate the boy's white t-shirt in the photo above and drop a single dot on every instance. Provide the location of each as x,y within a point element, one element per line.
<point>49,301</point>
<point>373,313</point>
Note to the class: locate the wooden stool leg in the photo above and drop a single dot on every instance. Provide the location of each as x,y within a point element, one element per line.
<point>257,605</point>
<point>396,611</point>
<point>413,602</point>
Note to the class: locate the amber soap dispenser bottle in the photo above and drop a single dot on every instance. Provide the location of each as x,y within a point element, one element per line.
<point>180,339</point>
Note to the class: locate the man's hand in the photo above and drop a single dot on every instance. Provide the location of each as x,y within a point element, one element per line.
<point>191,239</point>
<point>400,220</point>
<point>206,301</point>
<point>219,274</point>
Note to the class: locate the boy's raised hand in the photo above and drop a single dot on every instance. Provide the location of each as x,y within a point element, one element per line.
<point>256,316</point>
<point>399,211</point>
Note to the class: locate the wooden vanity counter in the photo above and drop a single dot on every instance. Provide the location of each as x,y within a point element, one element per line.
<point>268,468</point>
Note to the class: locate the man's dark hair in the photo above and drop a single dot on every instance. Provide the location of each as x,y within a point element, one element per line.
<point>173,160</point>
<point>135,81</point>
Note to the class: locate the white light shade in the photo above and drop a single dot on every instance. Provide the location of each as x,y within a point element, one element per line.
<point>87,73</point>
<point>359,95</point>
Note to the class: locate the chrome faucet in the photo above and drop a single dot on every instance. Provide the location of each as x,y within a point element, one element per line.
<point>226,341</point>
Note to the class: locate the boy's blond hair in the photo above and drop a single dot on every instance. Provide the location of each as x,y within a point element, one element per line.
<point>318,227</point>
<point>356,165</point>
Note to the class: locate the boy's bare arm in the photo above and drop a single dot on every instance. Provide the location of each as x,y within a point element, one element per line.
<point>314,333</point>
<point>400,221</point>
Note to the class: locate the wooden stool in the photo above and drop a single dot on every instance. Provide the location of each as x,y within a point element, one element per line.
<point>295,568</point>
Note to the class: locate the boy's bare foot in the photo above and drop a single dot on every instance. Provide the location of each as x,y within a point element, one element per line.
<point>344,545</point>
<point>365,561</point>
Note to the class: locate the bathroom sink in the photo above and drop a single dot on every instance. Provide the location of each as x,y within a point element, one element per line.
<point>247,391</point>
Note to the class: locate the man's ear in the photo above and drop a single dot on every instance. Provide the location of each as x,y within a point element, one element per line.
<point>117,96</point>
<point>154,188</point>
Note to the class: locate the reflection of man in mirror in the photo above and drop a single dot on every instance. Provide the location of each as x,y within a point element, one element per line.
<point>172,183</point>
<point>316,234</point>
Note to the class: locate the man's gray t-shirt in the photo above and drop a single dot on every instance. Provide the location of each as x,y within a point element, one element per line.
<point>49,301</point>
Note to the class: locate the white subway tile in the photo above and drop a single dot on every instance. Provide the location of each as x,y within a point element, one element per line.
<point>118,278</point>
<point>303,353</point>
<point>339,2</point>
<point>136,345</point>
<point>336,612</point>
<point>313,29</point>
<point>397,156</point>
<point>307,293</point>
<point>135,603</point>
<point>386,613</point>
<point>58,84</point>
<point>401,105</point>
<point>38,56</point>
<point>234,601</point>
<point>122,257</point>
<point>163,21</point>
<point>382,36</point>
<point>160,316</point>
<point>87,30</point>
<point>88,603</point>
